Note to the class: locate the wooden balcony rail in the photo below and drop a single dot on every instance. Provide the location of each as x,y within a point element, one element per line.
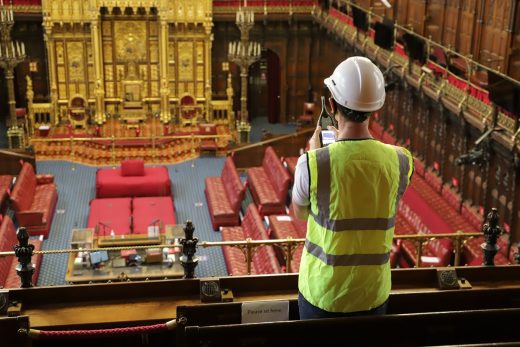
<point>288,246</point>
<point>71,146</point>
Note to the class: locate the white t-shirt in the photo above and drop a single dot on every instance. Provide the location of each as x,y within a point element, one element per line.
<point>300,190</point>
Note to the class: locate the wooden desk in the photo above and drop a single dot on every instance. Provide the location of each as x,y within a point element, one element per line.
<point>142,272</point>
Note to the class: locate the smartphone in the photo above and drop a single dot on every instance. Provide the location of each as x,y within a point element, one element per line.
<point>326,119</point>
<point>327,137</point>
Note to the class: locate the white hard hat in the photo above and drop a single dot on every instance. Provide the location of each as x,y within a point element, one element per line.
<point>358,85</point>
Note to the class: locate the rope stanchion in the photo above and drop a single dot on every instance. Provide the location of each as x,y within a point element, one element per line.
<point>36,334</point>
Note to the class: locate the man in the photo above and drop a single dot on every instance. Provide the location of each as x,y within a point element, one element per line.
<point>349,193</point>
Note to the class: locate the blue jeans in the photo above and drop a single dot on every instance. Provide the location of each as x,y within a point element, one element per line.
<point>309,311</point>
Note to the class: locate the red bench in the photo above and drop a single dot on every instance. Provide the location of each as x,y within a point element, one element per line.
<point>264,257</point>
<point>5,186</point>
<point>8,276</point>
<point>34,199</point>
<point>130,215</point>
<point>283,227</point>
<point>224,195</point>
<point>269,184</point>
<point>132,179</point>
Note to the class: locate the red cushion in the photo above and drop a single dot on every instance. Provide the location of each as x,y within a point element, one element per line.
<point>132,167</point>
<point>233,186</point>
<point>148,210</point>
<point>111,184</point>
<point>24,188</point>
<point>277,174</point>
<point>110,214</point>
<point>217,198</point>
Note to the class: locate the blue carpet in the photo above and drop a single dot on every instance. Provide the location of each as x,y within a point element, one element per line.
<point>261,123</point>
<point>76,187</point>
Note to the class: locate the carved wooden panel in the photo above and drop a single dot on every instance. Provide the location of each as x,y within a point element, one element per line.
<point>402,11</point>
<point>514,58</point>
<point>467,26</point>
<point>494,40</point>
<point>417,15</point>
<point>451,23</point>
<point>435,19</point>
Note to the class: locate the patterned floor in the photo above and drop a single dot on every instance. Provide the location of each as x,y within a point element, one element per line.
<point>76,187</point>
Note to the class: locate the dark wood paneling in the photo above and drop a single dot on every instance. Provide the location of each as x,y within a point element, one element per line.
<point>435,19</point>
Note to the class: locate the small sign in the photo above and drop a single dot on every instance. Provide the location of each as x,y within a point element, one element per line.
<point>265,311</point>
<point>283,218</point>
<point>153,231</point>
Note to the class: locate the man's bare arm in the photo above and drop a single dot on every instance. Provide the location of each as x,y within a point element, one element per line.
<point>302,212</point>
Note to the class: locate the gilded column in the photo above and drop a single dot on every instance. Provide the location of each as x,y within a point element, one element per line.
<point>99,89</point>
<point>208,47</point>
<point>51,57</point>
<point>165,88</point>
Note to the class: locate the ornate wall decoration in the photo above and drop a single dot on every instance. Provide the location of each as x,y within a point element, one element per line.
<point>185,54</point>
<point>131,40</point>
<point>75,62</point>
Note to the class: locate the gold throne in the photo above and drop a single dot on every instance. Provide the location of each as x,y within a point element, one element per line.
<point>77,111</point>
<point>132,98</point>
<point>188,110</point>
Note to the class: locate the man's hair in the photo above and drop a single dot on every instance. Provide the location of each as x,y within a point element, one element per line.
<point>352,115</point>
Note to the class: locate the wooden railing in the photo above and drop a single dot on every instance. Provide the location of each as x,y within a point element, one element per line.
<point>285,146</point>
<point>111,149</point>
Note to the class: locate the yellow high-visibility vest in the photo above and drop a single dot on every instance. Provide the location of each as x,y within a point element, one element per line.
<point>355,187</point>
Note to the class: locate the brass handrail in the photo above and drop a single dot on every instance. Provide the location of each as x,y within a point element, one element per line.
<point>288,245</point>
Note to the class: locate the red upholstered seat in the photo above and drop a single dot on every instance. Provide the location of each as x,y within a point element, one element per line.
<point>376,129</point>
<point>34,199</point>
<point>264,257</point>
<point>8,276</point>
<point>291,162</point>
<point>110,214</point>
<point>110,183</point>
<point>5,185</point>
<point>269,184</point>
<point>148,211</point>
<point>224,195</point>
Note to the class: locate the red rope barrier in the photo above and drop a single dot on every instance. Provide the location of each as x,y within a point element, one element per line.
<point>63,334</point>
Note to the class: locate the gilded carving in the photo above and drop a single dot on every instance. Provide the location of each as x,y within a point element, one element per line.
<point>185,54</point>
<point>109,73</point>
<point>200,90</point>
<point>62,91</point>
<point>200,52</point>
<point>59,52</point>
<point>75,61</point>
<point>154,51</point>
<point>200,73</point>
<point>106,28</point>
<point>154,72</point>
<point>131,40</point>
<point>61,74</point>
<point>107,52</point>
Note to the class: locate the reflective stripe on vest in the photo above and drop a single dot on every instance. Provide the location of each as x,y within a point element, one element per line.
<point>352,245</point>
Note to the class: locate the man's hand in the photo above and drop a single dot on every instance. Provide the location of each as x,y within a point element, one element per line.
<point>314,142</point>
<point>336,131</point>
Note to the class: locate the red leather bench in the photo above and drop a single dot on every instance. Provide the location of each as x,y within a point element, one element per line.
<point>269,184</point>
<point>132,179</point>
<point>34,199</point>
<point>283,227</point>
<point>110,214</point>
<point>224,195</point>
<point>130,215</point>
<point>290,163</point>
<point>147,211</point>
<point>8,276</point>
<point>264,257</point>
<point>5,186</point>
